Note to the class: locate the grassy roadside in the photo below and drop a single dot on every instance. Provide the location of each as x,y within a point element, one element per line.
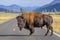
<point>6,16</point>
<point>56,23</point>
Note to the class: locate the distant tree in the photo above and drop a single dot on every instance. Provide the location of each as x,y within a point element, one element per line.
<point>22,10</point>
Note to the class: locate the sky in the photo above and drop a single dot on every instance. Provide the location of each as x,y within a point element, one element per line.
<point>25,2</point>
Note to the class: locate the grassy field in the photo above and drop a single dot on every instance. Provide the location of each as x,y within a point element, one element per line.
<point>6,16</point>
<point>56,23</point>
<point>56,18</point>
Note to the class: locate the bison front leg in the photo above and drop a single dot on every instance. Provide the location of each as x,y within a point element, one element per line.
<point>31,31</point>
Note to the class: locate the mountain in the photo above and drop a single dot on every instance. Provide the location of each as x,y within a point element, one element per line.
<point>15,8</point>
<point>27,9</point>
<point>55,2</point>
<point>53,6</point>
<point>11,8</point>
<point>3,10</point>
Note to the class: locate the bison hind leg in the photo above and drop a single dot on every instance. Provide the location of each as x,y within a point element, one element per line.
<point>49,28</point>
<point>47,31</point>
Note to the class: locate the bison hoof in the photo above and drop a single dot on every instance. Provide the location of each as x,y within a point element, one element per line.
<point>45,34</point>
<point>51,34</point>
<point>31,33</point>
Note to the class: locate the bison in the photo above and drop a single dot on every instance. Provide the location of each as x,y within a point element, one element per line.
<point>30,20</point>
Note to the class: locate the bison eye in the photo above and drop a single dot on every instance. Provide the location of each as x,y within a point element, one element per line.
<point>22,17</point>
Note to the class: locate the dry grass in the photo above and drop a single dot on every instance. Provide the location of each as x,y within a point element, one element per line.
<point>56,23</point>
<point>6,16</point>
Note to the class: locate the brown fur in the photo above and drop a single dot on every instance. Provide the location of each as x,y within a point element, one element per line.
<point>29,17</point>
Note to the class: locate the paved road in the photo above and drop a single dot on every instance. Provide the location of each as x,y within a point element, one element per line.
<point>10,31</point>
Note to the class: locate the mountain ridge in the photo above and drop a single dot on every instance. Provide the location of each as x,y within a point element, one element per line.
<point>52,7</point>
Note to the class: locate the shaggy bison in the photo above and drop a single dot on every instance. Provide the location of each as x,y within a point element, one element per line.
<point>30,20</point>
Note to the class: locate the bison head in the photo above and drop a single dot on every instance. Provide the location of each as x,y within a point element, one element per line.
<point>20,22</point>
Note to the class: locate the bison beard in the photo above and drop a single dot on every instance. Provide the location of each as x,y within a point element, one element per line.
<point>34,19</point>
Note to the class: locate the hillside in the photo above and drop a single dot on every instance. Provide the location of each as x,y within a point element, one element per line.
<point>52,7</point>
